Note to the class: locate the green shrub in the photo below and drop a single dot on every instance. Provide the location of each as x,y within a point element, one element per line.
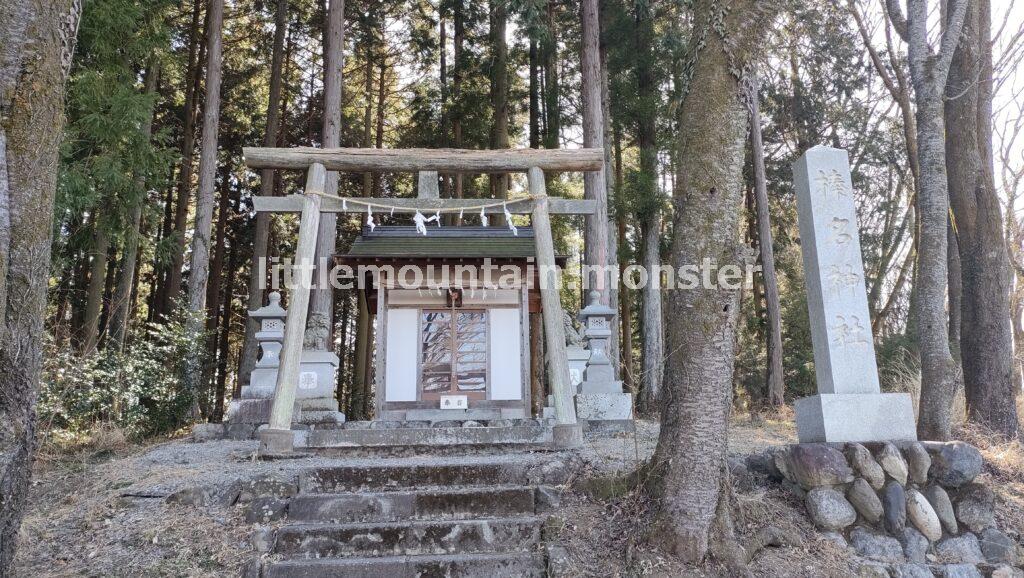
<point>138,389</point>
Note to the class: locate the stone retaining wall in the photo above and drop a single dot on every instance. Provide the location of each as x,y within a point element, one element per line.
<point>914,509</point>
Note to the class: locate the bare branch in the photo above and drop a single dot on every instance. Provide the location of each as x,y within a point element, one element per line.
<point>875,58</point>
<point>899,22</point>
<point>950,40</point>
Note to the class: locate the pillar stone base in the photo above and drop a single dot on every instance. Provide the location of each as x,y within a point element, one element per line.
<point>604,406</point>
<point>567,436</point>
<point>856,417</point>
<point>276,441</point>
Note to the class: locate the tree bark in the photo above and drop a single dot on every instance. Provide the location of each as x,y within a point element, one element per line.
<point>594,186</point>
<point>224,348</point>
<point>688,467</point>
<point>499,91</point>
<point>537,398</point>
<point>773,376</point>
<point>625,296</point>
<point>458,71</point>
<point>261,235</point>
<point>199,265</point>
<point>198,44</point>
<point>321,309</point>
<point>94,293</point>
<point>552,108</point>
<point>382,93</point>
<point>213,291</point>
<point>986,332</point>
<point>534,95</point>
<point>646,111</point>
<point>38,43</point>
<point>122,302</point>
<point>928,73</point>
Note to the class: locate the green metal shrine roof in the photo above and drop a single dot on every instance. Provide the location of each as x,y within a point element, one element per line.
<point>443,243</point>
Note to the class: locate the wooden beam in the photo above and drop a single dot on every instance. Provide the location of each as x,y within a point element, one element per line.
<point>294,203</point>
<point>298,304</point>
<point>554,328</point>
<point>416,160</point>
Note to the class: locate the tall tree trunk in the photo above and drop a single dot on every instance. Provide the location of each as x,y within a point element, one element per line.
<point>552,108</point>
<point>360,385</point>
<point>646,111</point>
<point>653,332</point>
<point>928,73</point>
<point>610,194</point>
<point>213,294</point>
<point>499,91</point>
<point>321,307</point>
<point>625,297</point>
<point>158,282</point>
<point>122,301</point>
<point>261,235</point>
<point>986,332</point>
<point>689,472</point>
<point>594,186</point>
<point>94,293</point>
<point>38,43</point>
<point>188,145</point>
<point>224,348</point>
<point>199,265</point>
<point>534,95</point>
<point>458,71</point>
<point>368,112</point>
<point>382,93</point>
<point>537,398</point>
<point>773,376</point>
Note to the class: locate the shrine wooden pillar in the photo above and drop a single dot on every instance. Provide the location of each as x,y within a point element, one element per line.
<point>567,432</point>
<point>278,437</point>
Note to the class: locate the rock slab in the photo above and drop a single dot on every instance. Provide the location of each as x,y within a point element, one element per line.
<point>943,507</point>
<point>829,510</point>
<point>963,549</point>
<point>817,465</point>
<point>875,546</point>
<point>865,465</point>
<point>893,463</point>
<point>975,507</point>
<point>923,515</point>
<point>894,500</point>
<point>865,500</point>
<point>954,464</point>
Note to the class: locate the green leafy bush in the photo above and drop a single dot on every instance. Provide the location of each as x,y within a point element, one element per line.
<point>138,389</point>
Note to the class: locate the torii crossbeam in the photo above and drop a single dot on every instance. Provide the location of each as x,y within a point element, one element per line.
<point>279,438</point>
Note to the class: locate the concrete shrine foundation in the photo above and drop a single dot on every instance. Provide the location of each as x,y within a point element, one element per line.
<point>855,417</point>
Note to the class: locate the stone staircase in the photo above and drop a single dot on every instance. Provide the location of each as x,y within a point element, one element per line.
<point>460,436</point>
<point>426,515</point>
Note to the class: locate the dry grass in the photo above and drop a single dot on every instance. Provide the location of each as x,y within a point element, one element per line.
<point>1004,471</point>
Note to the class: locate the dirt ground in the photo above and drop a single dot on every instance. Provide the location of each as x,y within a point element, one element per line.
<point>101,510</point>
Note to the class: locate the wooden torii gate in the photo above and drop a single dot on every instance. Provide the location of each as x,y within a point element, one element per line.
<point>278,437</point>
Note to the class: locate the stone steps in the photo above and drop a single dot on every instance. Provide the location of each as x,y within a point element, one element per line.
<point>523,470</point>
<point>516,564</point>
<point>449,504</point>
<point>473,516</point>
<point>429,437</point>
<point>419,537</point>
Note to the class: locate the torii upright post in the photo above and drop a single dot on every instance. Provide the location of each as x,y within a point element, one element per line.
<point>567,432</point>
<point>278,437</point>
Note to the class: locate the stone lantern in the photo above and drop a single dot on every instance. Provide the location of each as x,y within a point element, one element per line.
<point>600,396</point>
<point>270,338</point>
